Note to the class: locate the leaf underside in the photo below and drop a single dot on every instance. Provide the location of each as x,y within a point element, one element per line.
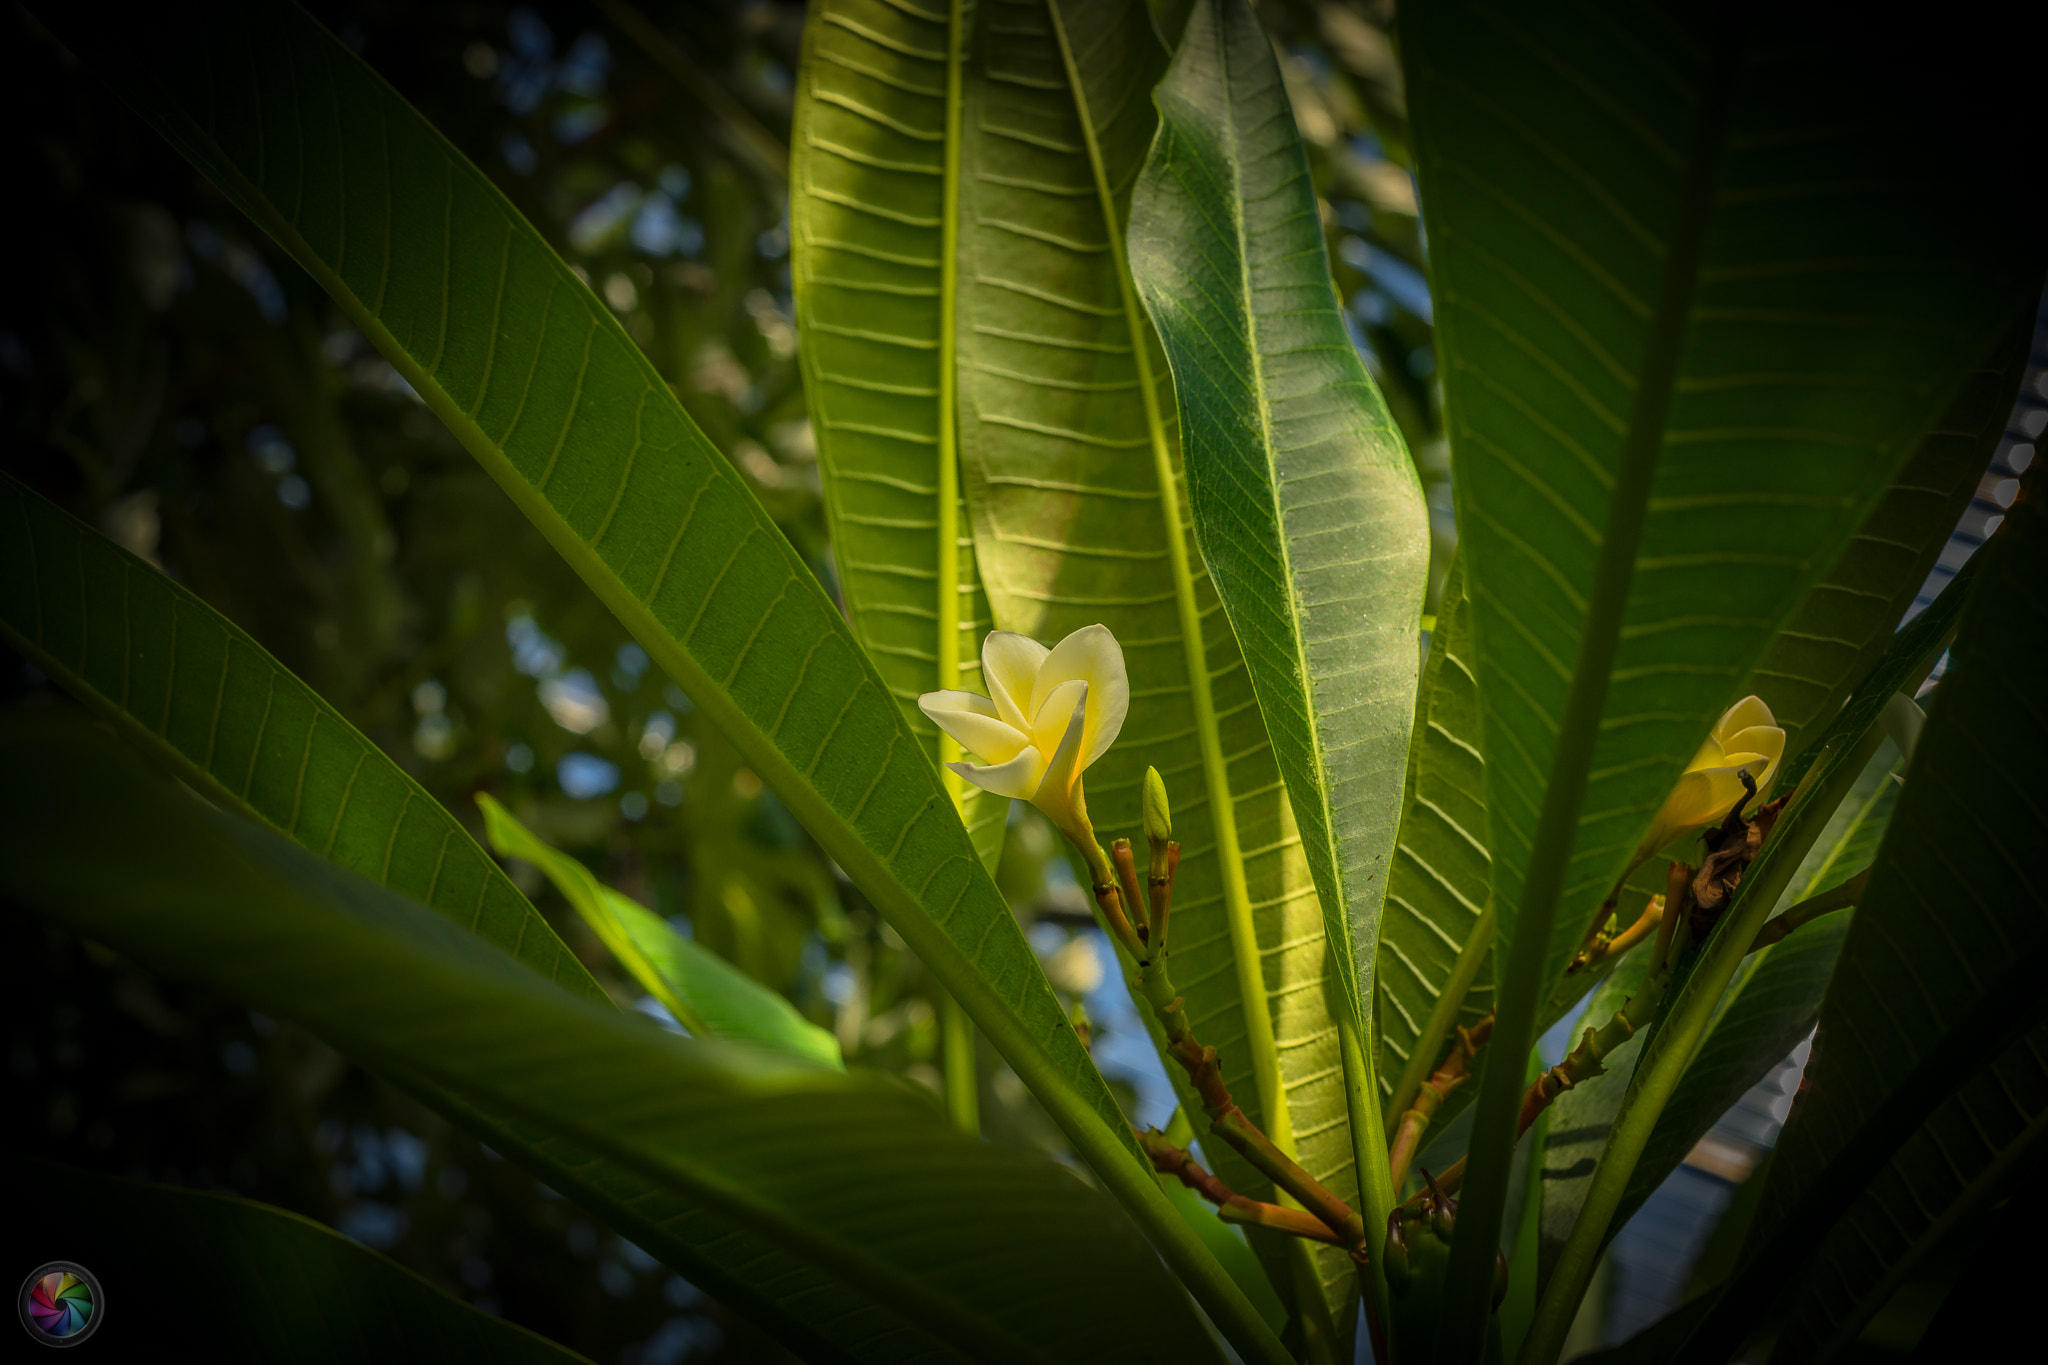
<point>1306,507</point>
<point>1843,626</point>
<point>1553,147</point>
<point>1437,889</point>
<point>1774,1001</point>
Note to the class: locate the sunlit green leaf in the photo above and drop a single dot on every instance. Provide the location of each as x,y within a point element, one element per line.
<point>1437,890</point>
<point>1306,508</point>
<point>874,210</point>
<point>708,995</point>
<point>856,1176</point>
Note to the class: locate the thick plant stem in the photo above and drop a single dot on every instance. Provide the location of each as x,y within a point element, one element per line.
<point>1810,909</point>
<point>1377,1186</point>
<point>963,1094</point>
<point>1231,1206</point>
<point>1454,1071</point>
<point>1600,950</point>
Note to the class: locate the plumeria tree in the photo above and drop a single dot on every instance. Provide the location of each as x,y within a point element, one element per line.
<point>1123,528</point>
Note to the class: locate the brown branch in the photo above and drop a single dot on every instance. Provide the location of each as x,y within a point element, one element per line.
<point>1601,949</point>
<point>1582,1064</point>
<point>1429,1099</point>
<point>1161,885</point>
<point>1226,1120</point>
<point>1127,879</point>
<point>1231,1206</point>
<point>1111,902</point>
<point>1811,909</point>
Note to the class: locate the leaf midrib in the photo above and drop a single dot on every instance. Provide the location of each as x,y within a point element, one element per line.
<point>1237,899</point>
<point>1484,1200</point>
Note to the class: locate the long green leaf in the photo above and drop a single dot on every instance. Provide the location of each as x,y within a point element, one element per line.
<point>1963,1159</point>
<point>1671,404</point>
<point>874,216</point>
<point>536,378</point>
<point>1307,510</point>
<point>1435,967</point>
<point>1936,973</point>
<point>188,1272</point>
<point>197,690</point>
<point>212,705</point>
<point>1580,1117</point>
<point>860,1176</point>
<point>1844,624</point>
<point>1073,477</point>
<point>707,995</point>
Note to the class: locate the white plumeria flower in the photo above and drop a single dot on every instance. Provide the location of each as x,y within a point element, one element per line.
<point>1048,715</point>
<point>1745,740</point>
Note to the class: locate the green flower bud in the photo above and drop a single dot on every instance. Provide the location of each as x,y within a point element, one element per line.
<point>1158,821</point>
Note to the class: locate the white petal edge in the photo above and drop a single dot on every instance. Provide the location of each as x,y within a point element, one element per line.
<point>1021,777</point>
<point>1093,655</point>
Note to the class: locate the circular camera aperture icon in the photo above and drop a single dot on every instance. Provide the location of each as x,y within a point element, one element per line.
<point>61,1303</point>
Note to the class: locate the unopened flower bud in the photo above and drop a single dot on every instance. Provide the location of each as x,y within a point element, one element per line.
<point>1158,820</point>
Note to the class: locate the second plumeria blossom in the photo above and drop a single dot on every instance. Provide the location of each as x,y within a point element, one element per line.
<point>1048,715</point>
<point>1745,740</point>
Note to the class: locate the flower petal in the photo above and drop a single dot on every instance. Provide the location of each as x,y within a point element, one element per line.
<point>1009,665</point>
<point>971,720</point>
<point>1092,655</point>
<point>1708,756</point>
<point>1059,791</point>
<point>1759,748</point>
<point>1020,777</point>
<point>1049,723</point>
<point>1750,711</point>
<point>950,699</point>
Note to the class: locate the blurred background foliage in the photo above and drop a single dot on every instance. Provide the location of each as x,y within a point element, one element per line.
<point>172,378</point>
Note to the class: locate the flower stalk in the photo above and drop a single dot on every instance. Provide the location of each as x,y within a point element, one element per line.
<point>1049,715</point>
<point>1231,1206</point>
<point>1454,1072</point>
